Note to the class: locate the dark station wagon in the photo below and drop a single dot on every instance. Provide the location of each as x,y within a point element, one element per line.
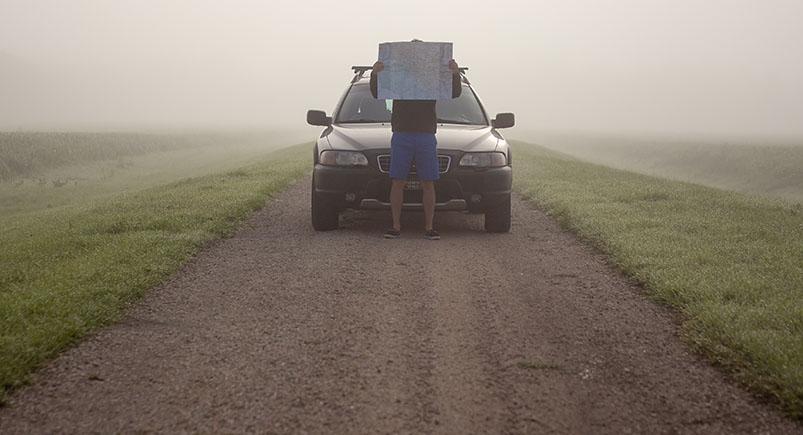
<point>352,158</point>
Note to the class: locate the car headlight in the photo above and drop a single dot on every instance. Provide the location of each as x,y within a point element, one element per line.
<point>343,158</point>
<point>483,160</point>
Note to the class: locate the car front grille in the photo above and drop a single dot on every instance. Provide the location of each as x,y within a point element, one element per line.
<point>383,162</point>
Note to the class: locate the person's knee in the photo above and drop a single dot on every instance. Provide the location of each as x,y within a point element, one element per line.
<point>428,185</point>
<point>398,184</point>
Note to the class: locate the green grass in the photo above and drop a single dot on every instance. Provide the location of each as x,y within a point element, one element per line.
<point>77,167</point>
<point>25,154</point>
<point>29,154</point>
<point>730,263</point>
<point>69,269</point>
<point>756,167</point>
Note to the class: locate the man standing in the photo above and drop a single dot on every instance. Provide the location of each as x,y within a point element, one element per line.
<point>414,124</point>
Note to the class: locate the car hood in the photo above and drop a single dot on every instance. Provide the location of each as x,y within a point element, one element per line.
<point>361,137</point>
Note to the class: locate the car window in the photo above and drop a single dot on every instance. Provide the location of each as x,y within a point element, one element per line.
<point>360,106</point>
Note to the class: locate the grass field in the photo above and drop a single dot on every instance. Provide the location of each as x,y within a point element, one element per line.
<point>27,154</point>
<point>763,167</point>
<point>71,267</point>
<point>732,264</point>
<point>82,166</point>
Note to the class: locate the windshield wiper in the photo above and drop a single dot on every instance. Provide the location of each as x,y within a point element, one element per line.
<point>452,121</point>
<point>364,121</point>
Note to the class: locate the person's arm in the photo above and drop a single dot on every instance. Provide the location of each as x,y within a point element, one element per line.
<point>457,86</point>
<point>378,66</point>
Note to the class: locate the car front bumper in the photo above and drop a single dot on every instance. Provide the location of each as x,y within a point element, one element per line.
<point>474,190</point>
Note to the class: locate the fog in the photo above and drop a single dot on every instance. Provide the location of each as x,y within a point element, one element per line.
<point>727,67</point>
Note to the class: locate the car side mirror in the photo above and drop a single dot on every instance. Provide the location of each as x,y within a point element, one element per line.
<point>318,117</point>
<point>504,120</point>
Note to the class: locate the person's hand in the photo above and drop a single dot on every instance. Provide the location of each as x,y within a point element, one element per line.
<point>378,66</point>
<point>454,67</point>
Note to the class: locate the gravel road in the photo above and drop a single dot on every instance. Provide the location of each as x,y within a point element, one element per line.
<point>282,329</point>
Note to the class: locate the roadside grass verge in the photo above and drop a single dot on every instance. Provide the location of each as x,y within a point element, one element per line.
<point>28,154</point>
<point>731,264</point>
<point>68,270</point>
<point>757,167</point>
<point>46,170</point>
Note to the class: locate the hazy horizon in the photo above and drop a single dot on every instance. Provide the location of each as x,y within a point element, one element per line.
<point>659,67</point>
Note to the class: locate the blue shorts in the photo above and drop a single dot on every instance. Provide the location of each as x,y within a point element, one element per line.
<point>420,148</point>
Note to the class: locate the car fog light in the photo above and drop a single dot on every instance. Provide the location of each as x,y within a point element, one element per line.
<point>476,198</point>
<point>350,197</point>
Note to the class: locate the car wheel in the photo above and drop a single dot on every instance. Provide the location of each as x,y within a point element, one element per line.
<point>324,216</point>
<point>497,220</point>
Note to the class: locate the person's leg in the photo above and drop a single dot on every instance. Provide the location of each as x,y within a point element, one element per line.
<point>401,156</point>
<point>396,198</point>
<point>429,203</point>
<point>426,163</point>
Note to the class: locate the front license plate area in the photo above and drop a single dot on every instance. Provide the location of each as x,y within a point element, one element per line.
<point>413,184</point>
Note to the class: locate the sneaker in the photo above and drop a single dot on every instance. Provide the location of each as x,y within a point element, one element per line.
<point>432,235</point>
<point>391,234</point>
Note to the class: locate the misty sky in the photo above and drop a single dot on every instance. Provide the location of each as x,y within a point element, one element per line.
<point>713,66</point>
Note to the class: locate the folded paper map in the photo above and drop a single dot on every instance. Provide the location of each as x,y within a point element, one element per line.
<point>415,71</point>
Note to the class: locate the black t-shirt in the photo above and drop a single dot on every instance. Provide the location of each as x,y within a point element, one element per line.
<point>416,116</point>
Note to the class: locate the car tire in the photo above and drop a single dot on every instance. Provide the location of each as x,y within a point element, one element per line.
<point>497,220</point>
<point>324,216</point>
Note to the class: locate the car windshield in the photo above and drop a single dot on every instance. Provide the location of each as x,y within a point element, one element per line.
<point>361,107</point>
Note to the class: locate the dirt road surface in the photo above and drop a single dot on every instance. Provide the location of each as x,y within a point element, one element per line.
<point>282,329</point>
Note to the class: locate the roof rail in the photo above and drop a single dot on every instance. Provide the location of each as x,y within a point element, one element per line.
<point>359,71</point>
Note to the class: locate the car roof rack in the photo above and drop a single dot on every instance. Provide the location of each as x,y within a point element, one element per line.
<point>360,70</point>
